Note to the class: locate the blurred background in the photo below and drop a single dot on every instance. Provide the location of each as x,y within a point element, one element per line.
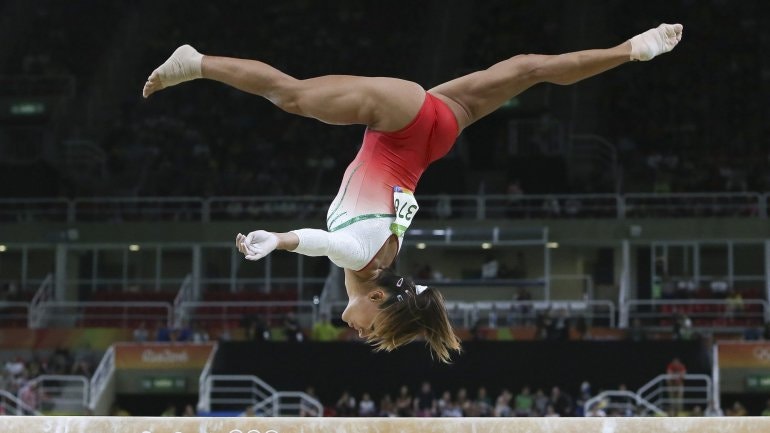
<point>604,248</point>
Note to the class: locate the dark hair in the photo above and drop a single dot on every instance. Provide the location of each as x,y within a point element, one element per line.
<point>405,315</point>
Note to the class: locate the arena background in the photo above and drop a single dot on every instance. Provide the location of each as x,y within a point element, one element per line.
<point>589,233</point>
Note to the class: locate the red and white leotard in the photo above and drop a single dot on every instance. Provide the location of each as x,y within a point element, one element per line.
<point>359,218</point>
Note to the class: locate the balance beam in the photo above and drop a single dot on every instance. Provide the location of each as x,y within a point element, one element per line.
<point>94,424</point>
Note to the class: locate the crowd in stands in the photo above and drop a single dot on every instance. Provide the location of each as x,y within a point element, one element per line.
<point>426,401</point>
<point>19,374</point>
<point>673,129</point>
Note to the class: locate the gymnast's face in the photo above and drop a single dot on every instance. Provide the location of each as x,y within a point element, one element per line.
<point>363,305</point>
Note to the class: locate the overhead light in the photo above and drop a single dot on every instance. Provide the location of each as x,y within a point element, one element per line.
<point>439,232</point>
<point>133,247</point>
<point>421,245</point>
<point>486,246</point>
<point>3,248</point>
<point>552,245</point>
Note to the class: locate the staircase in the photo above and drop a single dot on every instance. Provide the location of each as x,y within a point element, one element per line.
<point>239,394</point>
<point>656,397</point>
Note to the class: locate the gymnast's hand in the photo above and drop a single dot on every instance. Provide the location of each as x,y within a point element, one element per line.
<point>256,244</point>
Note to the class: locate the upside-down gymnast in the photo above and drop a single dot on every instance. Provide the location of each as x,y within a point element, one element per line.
<point>407,128</point>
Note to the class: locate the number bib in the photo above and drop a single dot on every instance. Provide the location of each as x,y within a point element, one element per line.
<point>406,207</point>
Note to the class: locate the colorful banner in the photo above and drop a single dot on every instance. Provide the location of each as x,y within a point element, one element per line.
<point>79,338</point>
<point>752,355</point>
<point>162,356</point>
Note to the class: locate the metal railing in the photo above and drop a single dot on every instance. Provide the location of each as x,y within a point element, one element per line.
<point>513,313</point>
<point>665,392</point>
<point>62,393</point>
<point>12,405</point>
<point>712,314</point>
<point>121,314</point>
<point>102,376</point>
<point>251,394</point>
<point>675,392</point>
<point>572,206</point>
<point>185,294</point>
<point>226,311</point>
<point>204,385</point>
<point>14,314</point>
<point>626,403</point>
<point>44,294</point>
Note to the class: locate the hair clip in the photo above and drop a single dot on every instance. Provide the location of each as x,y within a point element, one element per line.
<point>419,289</point>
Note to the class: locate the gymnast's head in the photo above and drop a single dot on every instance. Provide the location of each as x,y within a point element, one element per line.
<point>394,311</point>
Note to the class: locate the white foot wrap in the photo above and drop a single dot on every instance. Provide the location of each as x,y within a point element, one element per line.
<point>654,42</point>
<point>183,65</point>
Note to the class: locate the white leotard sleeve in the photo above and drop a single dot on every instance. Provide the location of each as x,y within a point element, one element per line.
<point>343,249</point>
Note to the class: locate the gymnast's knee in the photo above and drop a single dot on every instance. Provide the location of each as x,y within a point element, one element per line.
<point>287,94</point>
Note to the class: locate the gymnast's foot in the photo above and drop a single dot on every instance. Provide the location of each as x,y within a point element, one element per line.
<point>654,42</point>
<point>183,65</point>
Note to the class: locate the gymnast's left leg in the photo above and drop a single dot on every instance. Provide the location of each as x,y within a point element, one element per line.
<point>473,96</point>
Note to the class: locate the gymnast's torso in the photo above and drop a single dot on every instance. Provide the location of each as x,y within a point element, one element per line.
<point>364,205</point>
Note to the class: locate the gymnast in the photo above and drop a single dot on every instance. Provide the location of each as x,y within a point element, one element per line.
<point>407,128</point>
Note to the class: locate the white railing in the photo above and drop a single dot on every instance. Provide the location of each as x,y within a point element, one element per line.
<point>102,377</point>
<point>711,314</point>
<point>288,403</point>
<point>238,392</point>
<point>224,311</point>
<point>204,385</point>
<point>186,294</point>
<point>63,393</point>
<point>655,396</point>
<point>11,405</point>
<point>103,313</point>
<point>626,403</point>
<point>43,295</point>
<point>614,206</point>
<point>13,314</point>
<point>512,313</point>
<point>695,389</point>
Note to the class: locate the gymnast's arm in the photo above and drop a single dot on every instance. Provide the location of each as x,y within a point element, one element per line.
<point>341,248</point>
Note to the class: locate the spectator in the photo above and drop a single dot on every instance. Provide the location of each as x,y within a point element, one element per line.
<point>29,394</point>
<point>636,332</point>
<point>696,411</point>
<point>425,401</point>
<point>462,402</point>
<point>141,334</point>
<point>199,334</point>
<point>387,408</point>
<point>541,402</point>
<point>189,410</point>
<point>324,330</point>
<point>551,411</point>
<point>448,407</point>
<point>346,405</point>
<point>366,406</point>
<point>82,368</point>
<point>524,402</point>
<point>676,371</point>
<point>404,402</point>
<point>291,328</point>
<point>490,267</point>
<point>304,408</point>
<point>737,409</point>
<point>561,401</point>
<point>503,404</point>
<point>483,403</point>
<point>162,333</point>
<point>169,411</point>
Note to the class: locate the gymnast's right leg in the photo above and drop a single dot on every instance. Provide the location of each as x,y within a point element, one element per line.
<point>381,103</point>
